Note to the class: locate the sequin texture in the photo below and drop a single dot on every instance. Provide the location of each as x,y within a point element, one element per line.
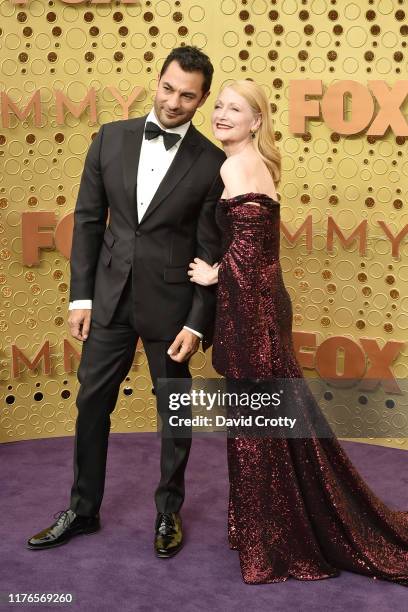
<point>297,507</point>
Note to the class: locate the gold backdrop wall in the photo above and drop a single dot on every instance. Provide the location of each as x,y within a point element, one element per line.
<point>49,46</point>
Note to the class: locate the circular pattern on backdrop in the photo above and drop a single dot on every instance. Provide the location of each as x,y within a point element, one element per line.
<point>228,7</point>
<point>199,40</point>
<point>163,8</point>
<point>228,63</point>
<point>196,13</point>
<point>230,38</point>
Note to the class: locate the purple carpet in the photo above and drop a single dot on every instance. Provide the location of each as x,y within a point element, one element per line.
<point>115,569</point>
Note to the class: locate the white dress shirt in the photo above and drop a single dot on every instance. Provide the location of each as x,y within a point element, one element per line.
<point>154,162</point>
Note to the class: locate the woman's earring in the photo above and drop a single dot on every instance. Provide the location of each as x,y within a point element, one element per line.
<point>253,133</point>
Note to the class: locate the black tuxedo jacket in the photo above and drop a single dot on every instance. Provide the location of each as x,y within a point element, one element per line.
<point>178,225</point>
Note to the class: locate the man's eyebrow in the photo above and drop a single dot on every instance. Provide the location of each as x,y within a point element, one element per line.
<point>187,93</point>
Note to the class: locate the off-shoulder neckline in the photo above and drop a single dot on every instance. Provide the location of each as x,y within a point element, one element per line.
<point>251,193</point>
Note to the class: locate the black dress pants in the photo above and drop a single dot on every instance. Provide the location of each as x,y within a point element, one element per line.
<point>107,356</point>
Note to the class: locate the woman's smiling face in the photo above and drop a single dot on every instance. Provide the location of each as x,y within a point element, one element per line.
<point>232,118</point>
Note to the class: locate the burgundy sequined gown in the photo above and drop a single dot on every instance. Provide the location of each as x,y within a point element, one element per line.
<point>298,507</point>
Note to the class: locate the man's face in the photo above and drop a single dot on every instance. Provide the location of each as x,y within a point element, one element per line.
<point>178,95</point>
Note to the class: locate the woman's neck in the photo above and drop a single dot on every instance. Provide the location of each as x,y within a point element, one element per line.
<point>234,148</point>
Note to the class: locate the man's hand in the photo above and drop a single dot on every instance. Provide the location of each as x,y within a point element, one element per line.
<point>79,321</point>
<point>184,346</point>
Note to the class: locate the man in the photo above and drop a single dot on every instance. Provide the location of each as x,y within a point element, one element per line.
<point>159,179</point>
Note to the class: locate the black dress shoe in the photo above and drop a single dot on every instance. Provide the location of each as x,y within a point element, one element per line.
<point>67,525</point>
<point>169,536</point>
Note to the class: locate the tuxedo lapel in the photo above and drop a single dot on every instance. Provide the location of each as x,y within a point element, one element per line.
<point>185,157</point>
<point>133,138</point>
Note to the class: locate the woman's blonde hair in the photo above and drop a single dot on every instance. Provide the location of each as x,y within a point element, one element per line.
<point>264,140</point>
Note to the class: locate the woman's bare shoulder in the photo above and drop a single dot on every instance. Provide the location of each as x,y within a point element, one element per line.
<point>236,168</point>
<point>232,163</point>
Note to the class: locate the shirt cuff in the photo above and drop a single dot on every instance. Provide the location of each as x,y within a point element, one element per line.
<point>194,331</point>
<point>80,304</point>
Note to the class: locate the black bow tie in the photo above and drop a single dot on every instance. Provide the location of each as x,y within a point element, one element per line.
<point>153,130</point>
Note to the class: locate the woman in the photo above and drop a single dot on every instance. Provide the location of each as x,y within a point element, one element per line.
<point>297,506</point>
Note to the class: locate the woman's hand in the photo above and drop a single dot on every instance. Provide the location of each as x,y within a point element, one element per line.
<point>202,273</point>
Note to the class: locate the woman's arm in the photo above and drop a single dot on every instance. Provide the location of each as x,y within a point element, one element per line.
<point>237,181</point>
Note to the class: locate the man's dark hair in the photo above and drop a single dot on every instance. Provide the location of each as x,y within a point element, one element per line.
<point>191,59</point>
